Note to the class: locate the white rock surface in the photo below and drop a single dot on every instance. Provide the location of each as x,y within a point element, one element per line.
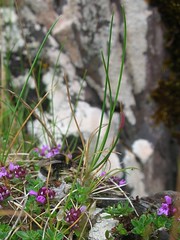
<point>102,225</point>
<point>143,149</point>
<point>135,177</point>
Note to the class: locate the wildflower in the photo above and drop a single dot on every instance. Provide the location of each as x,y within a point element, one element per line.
<point>43,194</point>
<point>69,155</point>
<point>20,172</point>
<point>3,172</point>
<point>103,173</point>
<point>120,182</point>
<point>168,200</point>
<point>166,207</point>
<point>83,208</point>
<point>42,151</point>
<point>12,167</point>
<point>47,192</point>
<point>16,171</point>
<point>41,199</point>
<point>47,152</point>
<point>12,170</point>
<point>74,214</point>
<point>4,192</point>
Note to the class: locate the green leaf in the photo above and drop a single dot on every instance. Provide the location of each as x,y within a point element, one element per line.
<point>122,208</point>
<point>4,229</point>
<point>52,234</point>
<point>29,235</point>
<point>122,231</point>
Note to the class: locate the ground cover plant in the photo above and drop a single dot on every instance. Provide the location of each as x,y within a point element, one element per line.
<point>61,206</point>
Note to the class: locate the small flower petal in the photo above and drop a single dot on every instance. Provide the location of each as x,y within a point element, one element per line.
<point>83,208</point>
<point>33,193</point>
<point>3,172</point>
<point>168,200</point>
<point>41,199</point>
<point>122,182</point>
<point>102,174</point>
<point>164,209</point>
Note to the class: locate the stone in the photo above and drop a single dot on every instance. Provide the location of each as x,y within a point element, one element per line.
<point>83,30</point>
<point>101,226</point>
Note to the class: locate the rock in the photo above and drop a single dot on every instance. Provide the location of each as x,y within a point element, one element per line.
<point>101,226</point>
<point>83,30</point>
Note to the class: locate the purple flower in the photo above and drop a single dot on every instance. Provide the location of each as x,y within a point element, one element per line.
<point>73,215</point>
<point>20,172</point>
<point>48,152</point>
<point>166,207</point>
<point>43,194</point>
<point>33,193</point>
<point>4,192</point>
<point>168,200</point>
<point>12,167</point>
<point>49,155</point>
<point>12,171</point>
<point>41,199</point>
<point>122,182</point>
<point>42,151</point>
<point>47,192</point>
<point>102,174</point>
<point>3,172</point>
<point>83,208</point>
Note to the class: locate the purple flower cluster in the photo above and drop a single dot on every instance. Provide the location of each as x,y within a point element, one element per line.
<point>43,194</point>
<point>4,192</point>
<point>48,152</point>
<point>117,180</point>
<point>73,215</point>
<point>167,207</point>
<point>120,182</point>
<point>11,171</point>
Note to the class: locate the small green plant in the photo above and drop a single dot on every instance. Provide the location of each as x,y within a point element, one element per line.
<point>147,225</point>
<point>121,229</point>
<point>122,209</point>
<point>143,226</point>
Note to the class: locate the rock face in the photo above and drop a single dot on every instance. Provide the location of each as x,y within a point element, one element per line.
<point>81,33</point>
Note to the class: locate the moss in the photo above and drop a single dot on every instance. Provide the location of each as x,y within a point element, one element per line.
<point>166,95</point>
